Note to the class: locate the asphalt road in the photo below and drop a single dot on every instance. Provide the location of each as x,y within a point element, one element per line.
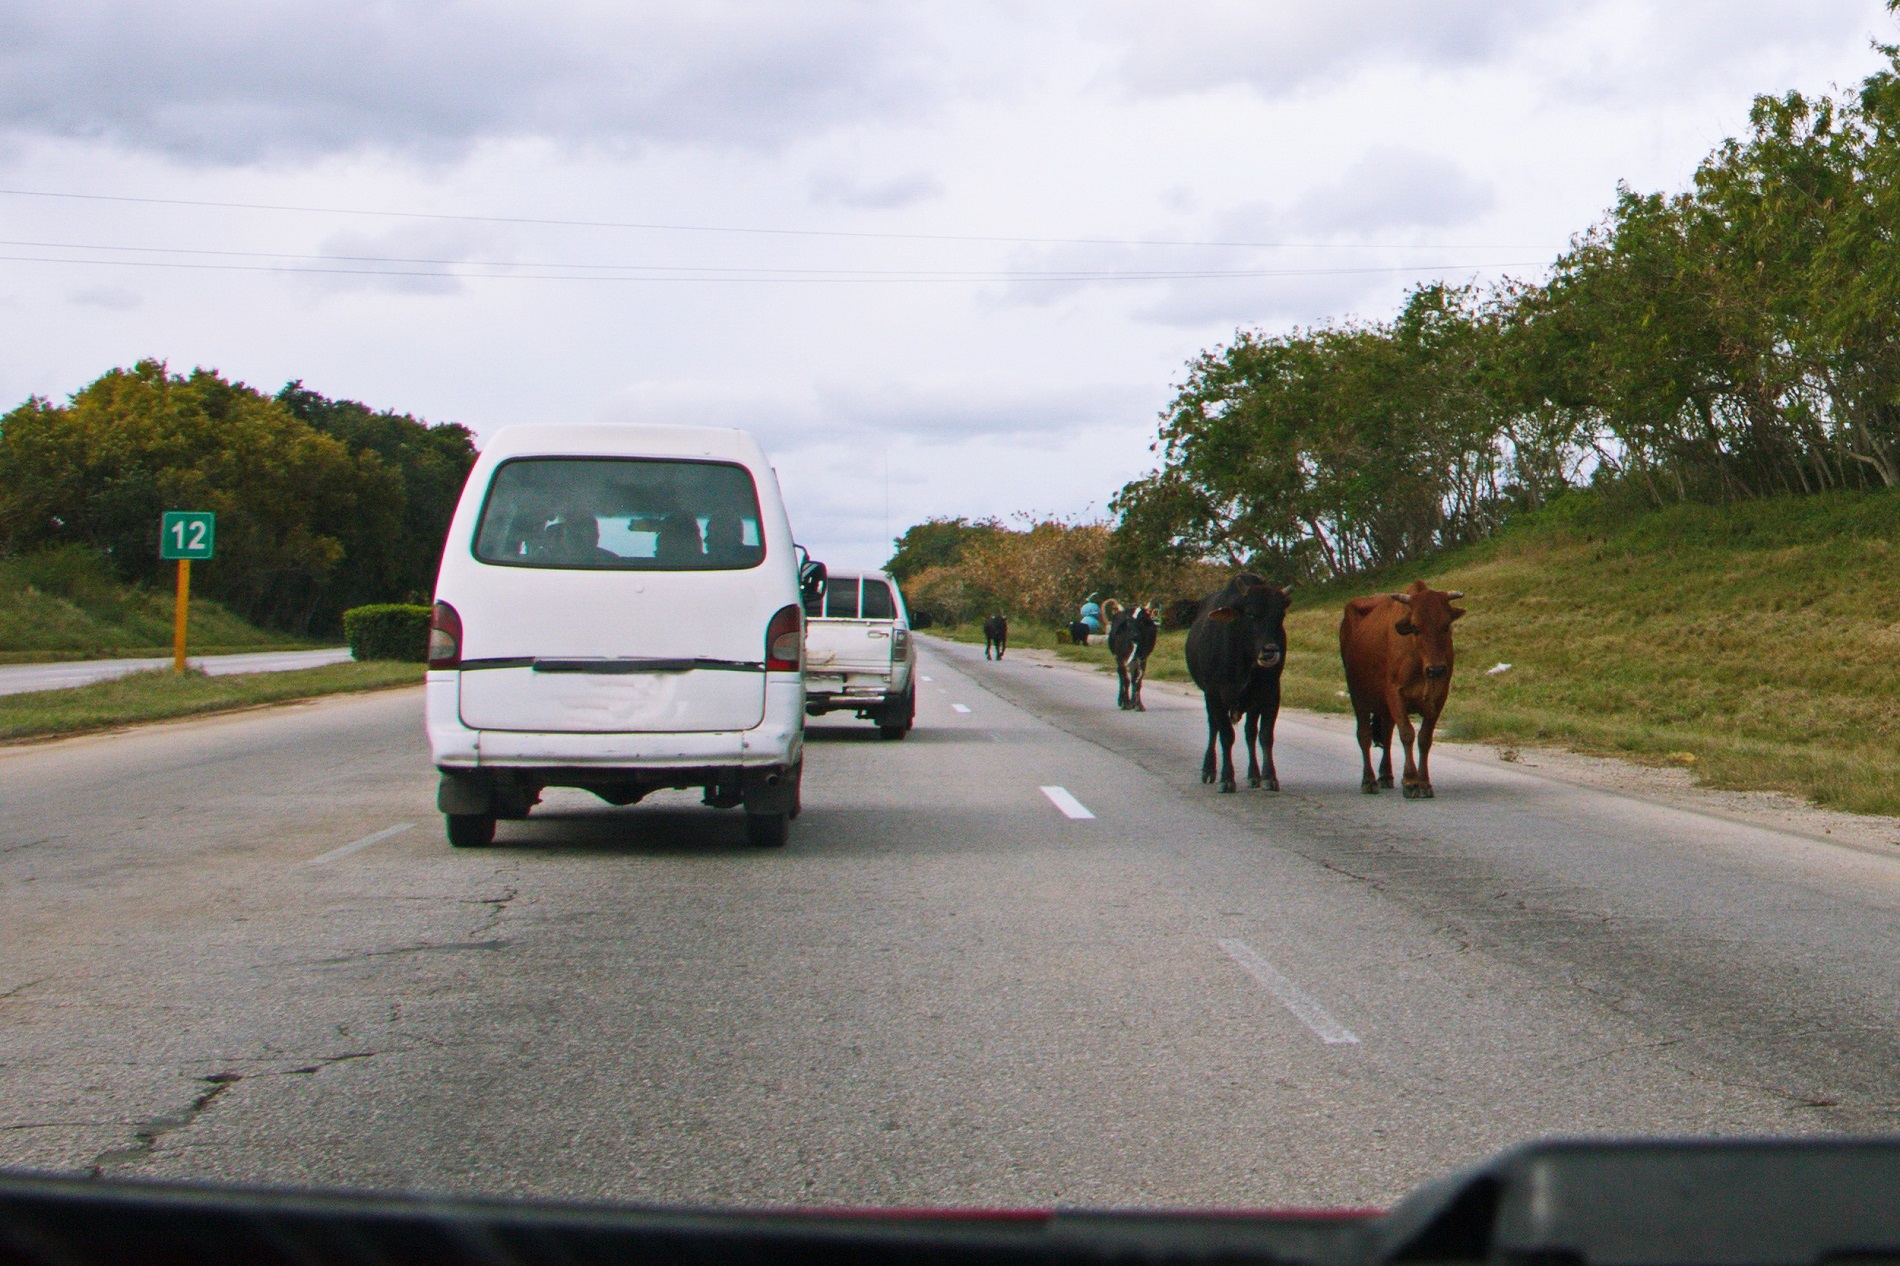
<point>946,991</point>
<point>18,679</point>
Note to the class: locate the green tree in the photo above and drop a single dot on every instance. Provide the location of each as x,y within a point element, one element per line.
<point>937,543</point>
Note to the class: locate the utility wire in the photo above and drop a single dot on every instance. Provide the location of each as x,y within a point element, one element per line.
<point>748,275</point>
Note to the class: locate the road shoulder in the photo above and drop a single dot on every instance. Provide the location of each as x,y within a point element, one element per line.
<point>1671,786</point>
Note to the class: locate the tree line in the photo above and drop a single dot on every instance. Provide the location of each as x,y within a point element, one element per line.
<point>1738,339</point>
<point>322,504</point>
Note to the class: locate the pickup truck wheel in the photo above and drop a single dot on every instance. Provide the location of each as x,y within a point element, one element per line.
<point>895,722</point>
<point>470,830</point>
<point>767,830</point>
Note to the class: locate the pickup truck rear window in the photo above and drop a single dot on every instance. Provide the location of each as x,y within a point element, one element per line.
<point>877,601</point>
<point>841,599</point>
<point>621,514</point>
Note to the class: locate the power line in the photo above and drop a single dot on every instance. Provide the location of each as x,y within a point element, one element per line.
<point>656,226</point>
<point>661,274</point>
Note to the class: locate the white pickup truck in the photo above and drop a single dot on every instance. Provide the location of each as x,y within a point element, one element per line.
<point>859,654</point>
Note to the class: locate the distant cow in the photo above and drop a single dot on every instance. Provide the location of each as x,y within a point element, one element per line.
<point>1131,638</point>
<point>1397,651</point>
<point>1079,633</point>
<point>1235,653</point>
<point>995,634</point>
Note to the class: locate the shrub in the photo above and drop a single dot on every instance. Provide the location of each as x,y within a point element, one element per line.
<point>388,630</point>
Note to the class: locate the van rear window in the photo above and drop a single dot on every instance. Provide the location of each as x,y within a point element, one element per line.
<point>621,514</point>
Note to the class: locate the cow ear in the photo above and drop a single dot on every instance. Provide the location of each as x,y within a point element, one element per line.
<point>1457,614</point>
<point>1405,628</point>
<point>1223,615</point>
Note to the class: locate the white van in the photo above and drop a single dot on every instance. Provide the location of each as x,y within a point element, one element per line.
<point>618,609</point>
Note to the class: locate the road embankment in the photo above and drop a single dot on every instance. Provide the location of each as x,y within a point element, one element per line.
<point>162,695</point>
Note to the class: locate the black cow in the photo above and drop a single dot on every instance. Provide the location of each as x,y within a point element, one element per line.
<point>995,633</point>
<point>1131,638</point>
<point>1235,653</point>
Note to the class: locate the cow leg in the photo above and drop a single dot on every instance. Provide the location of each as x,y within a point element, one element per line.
<point>1213,728</point>
<point>1002,644</point>
<point>1139,665</point>
<point>1227,782</point>
<point>1121,675</point>
<point>1368,732</point>
<point>1383,736</point>
<point>1220,725</point>
<point>1427,723</point>
<point>1251,735</point>
<point>1269,716</point>
<point>1402,718</point>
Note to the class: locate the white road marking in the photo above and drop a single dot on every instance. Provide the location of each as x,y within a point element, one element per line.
<point>930,679</point>
<point>1309,1012</point>
<point>365,842</point>
<point>959,707</point>
<point>1070,806</point>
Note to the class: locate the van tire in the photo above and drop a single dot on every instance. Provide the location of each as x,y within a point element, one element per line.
<point>470,830</point>
<point>768,830</point>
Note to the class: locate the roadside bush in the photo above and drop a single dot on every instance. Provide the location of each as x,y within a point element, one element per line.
<point>388,630</point>
<point>78,573</point>
<point>1180,613</point>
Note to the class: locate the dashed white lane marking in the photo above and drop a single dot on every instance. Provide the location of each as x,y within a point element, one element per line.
<point>363,843</point>
<point>1309,1012</point>
<point>1070,806</point>
<point>959,707</point>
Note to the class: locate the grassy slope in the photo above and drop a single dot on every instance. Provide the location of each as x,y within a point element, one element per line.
<point>35,625</point>
<point>161,695</point>
<point>1758,644</point>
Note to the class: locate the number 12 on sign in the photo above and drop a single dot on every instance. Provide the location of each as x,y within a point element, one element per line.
<point>185,535</point>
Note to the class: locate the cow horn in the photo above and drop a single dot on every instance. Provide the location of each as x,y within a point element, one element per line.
<point>1287,587</point>
<point>1454,595</point>
<point>1406,598</point>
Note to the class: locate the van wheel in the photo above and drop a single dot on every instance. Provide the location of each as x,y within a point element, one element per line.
<point>470,830</point>
<point>767,830</point>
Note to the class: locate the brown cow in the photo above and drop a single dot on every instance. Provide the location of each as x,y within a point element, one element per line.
<point>1397,652</point>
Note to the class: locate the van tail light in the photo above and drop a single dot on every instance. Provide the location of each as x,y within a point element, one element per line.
<point>784,641</point>
<point>445,637</point>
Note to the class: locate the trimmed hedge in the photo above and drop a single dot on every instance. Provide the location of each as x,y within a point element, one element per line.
<point>388,630</point>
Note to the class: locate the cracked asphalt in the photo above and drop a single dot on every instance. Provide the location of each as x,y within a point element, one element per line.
<point>943,992</point>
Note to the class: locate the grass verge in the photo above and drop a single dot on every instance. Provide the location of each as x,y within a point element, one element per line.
<point>1756,644</point>
<point>162,695</point>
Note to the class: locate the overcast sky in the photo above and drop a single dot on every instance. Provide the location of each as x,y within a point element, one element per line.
<point>944,259</point>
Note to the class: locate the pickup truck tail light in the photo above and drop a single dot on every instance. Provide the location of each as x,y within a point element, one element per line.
<point>784,641</point>
<point>445,637</point>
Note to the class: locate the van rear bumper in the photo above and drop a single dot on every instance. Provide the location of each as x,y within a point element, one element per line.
<point>778,740</point>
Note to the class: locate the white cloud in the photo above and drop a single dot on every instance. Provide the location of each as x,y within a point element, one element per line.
<point>1280,48</point>
<point>112,298</point>
<point>239,81</point>
<point>878,195</point>
<point>1392,188</point>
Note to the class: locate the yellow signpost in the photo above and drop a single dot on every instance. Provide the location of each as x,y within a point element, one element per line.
<point>185,535</point>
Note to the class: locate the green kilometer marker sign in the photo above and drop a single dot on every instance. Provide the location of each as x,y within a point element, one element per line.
<point>187,534</point>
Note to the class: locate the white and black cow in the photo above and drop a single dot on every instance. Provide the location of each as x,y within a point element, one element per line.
<point>1131,639</point>
<point>1235,653</point>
